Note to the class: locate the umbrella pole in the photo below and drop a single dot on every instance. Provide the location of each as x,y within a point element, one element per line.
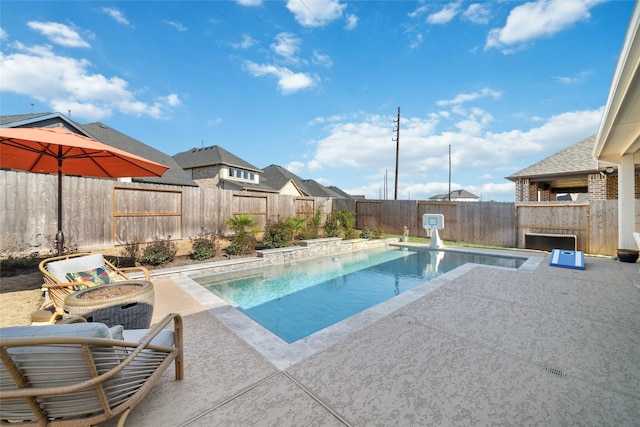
<point>60,235</point>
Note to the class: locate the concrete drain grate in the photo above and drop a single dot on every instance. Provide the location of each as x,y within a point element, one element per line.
<point>555,371</point>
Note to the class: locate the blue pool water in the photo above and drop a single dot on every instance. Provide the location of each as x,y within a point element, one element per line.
<point>297,300</point>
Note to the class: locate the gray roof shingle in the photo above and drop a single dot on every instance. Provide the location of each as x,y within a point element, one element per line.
<point>211,156</point>
<point>277,177</point>
<point>174,176</point>
<point>573,160</point>
<point>455,194</point>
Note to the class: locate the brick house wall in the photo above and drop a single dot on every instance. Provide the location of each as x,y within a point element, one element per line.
<point>599,188</point>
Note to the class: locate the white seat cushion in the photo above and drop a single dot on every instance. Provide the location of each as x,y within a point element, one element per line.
<point>93,330</point>
<point>165,337</point>
<point>59,269</point>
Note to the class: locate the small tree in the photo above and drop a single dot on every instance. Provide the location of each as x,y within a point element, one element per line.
<point>297,226</point>
<point>332,226</point>
<point>340,224</point>
<point>243,240</point>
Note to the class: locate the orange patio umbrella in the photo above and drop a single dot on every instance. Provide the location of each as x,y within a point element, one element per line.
<point>58,150</point>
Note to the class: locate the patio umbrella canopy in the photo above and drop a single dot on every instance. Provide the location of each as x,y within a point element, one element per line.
<point>58,150</point>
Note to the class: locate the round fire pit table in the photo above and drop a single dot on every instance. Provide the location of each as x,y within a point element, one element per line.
<point>127,303</point>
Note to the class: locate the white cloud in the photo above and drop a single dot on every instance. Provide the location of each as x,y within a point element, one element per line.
<point>417,41</point>
<point>422,9</point>
<point>467,97</point>
<point>69,85</point>
<point>478,13</point>
<point>444,15</point>
<point>295,167</point>
<point>315,13</point>
<point>287,45</point>
<point>59,33</point>
<point>214,122</point>
<point>352,22</point>
<point>177,25</point>
<point>424,150</point>
<point>288,81</point>
<point>246,43</point>
<point>249,3</point>
<point>581,77</point>
<point>541,18</point>
<point>3,34</point>
<point>321,59</point>
<point>117,15</point>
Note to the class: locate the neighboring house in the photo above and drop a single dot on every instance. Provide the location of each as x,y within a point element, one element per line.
<point>283,180</point>
<point>315,189</point>
<point>571,174</point>
<point>215,167</point>
<point>456,196</point>
<point>100,132</point>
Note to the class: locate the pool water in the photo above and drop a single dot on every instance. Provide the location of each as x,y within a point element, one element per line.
<point>296,300</point>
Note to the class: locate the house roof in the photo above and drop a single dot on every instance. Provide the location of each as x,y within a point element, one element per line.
<point>573,160</point>
<point>276,177</point>
<point>316,189</point>
<point>174,176</point>
<point>455,194</point>
<point>249,186</point>
<point>619,132</point>
<point>17,119</point>
<point>211,156</point>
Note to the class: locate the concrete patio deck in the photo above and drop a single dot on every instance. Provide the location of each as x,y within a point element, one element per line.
<point>482,346</point>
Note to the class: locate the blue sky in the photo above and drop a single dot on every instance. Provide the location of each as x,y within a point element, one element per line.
<point>315,85</point>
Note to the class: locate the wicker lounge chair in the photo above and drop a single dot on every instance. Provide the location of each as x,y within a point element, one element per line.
<point>81,374</point>
<point>56,273</point>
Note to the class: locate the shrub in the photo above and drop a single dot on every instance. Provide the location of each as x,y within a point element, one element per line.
<point>278,234</point>
<point>340,224</point>
<point>331,226</point>
<point>131,248</point>
<point>377,233</point>
<point>243,241</point>
<point>159,252</point>
<point>11,264</point>
<point>204,246</point>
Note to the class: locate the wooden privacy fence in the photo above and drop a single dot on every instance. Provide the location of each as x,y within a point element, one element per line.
<point>489,223</point>
<point>104,213</point>
<point>594,223</point>
<point>138,213</point>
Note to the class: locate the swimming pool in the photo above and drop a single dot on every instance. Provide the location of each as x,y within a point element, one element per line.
<point>296,300</point>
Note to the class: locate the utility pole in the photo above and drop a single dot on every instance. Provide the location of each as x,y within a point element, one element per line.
<point>449,172</point>
<point>395,194</point>
<point>386,184</point>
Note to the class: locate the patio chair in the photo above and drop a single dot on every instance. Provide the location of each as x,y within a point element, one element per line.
<point>83,373</point>
<point>61,275</point>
